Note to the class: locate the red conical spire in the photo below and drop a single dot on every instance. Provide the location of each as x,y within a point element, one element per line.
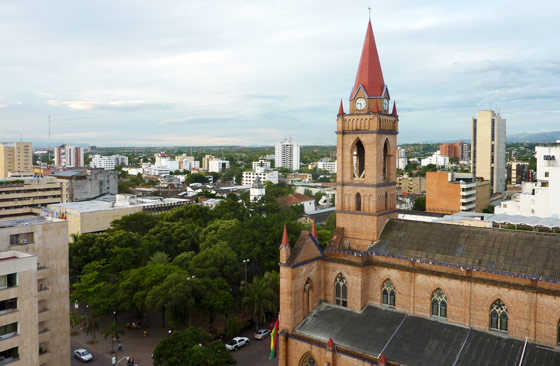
<point>340,109</point>
<point>369,74</point>
<point>285,240</point>
<point>330,343</point>
<point>314,230</point>
<point>382,358</point>
<point>394,108</point>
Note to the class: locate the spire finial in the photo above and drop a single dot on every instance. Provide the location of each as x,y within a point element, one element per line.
<point>369,10</point>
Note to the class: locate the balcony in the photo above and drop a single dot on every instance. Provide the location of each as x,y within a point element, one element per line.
<point>468,199</point>
<point>44,314</point>
<point>468,207</point>
<point>468,185</point>
<point>468,193</point>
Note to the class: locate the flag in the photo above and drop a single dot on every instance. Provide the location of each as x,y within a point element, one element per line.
<point>273,341</point>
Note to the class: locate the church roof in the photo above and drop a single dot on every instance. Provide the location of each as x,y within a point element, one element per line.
<point>508,252</point>
<point>295,199</point>
<point>257,183</point>
<point>413,340</point>
<point>369,76</point>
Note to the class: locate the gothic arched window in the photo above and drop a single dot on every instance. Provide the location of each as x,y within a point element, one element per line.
<point>499,316</point>
<point>386,160</point>
<point>386,201</point>
<point>308,360</point>
<point>439,304</point>
<point>340,290</point>
<point>359,159</point>
<point>388,293</point>
<point>307,290</point>
<point>358,202</point>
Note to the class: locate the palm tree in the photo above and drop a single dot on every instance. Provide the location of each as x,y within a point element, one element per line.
<point>233,326</point>
<point>273,278</point>
<point>91,327</point>
<point>258,298</point>
<point>159,258</point>
<point>114,332</point>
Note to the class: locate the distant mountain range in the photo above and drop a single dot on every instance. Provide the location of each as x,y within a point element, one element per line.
<point>535,137</point>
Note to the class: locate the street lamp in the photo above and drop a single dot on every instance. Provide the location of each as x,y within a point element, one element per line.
<point>115,315</point>
<point>246,261</point>
<point>190,296</point>
<point>169,332</point>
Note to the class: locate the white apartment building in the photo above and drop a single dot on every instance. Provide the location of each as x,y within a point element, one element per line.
<point>541,198</point>
<point>217,165</point>
<point>488,153</point>
<point>286,155</point>
<point>264,175</point>
<point>437,159</point>
<point>189,164</point>
<point>329,166</point>
<point>68,156</point>
<point>108,162</point>
<point>262,164</point>
<point>402,162</point>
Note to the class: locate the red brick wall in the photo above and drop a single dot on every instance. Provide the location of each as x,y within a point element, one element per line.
<point>442,196</point>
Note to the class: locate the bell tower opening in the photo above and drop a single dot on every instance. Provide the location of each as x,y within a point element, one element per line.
<point>385,159</point>
<point>358,202</point>
<point>359,156</point>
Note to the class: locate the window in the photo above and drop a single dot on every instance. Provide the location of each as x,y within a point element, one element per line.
<point>358,153</point>
<point>9,355</point>
<point>385,160</point>
<point>8,330</point>
<point>8,305</point>
<point>546,174</point>
<point>341,290</point>
<point>439,304</point>
<point>7,281</point>
<point>358,202</point>
<point>24,238</point>
<point>308,361</point>
<point>388,293</point>
<point>307,297</point>
<point>499,316</point>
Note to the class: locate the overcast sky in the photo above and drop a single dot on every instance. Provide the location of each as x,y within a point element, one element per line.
<point>253,72</point>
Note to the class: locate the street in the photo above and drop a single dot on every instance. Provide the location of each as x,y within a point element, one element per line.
<point>98,358</point>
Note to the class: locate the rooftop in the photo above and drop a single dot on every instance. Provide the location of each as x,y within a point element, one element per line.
<point>27,221</point>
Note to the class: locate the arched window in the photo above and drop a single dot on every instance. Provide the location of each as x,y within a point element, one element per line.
<point>358,202</point>
<point>308,360</point>
<point>439,304</point>
<point>499,316</point>
<point>359,158</point>
<point>386,201</point>
<point>341,290</point>
<point>388,293</point>
<point>385,160</point>
<point>307,297</point>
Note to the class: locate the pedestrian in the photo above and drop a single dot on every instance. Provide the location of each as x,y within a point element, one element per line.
<point>129,362</point>
<point>120,347</point>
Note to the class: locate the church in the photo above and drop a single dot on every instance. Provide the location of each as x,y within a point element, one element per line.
<point>394,292</point>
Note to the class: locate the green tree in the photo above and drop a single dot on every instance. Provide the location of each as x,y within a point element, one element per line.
<point>112,332</point>
<point>216,261</point>
<point>233,326</point>
<point>173,296</point>
<point>258,298</point>
<point>140,222</point>
<point>419,204</point>
<point>159,258</point>
<point>214,297</point>
<point>91,326</point>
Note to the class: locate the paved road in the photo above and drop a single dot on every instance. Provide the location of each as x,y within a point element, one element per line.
<point>98,358</point>
<point>257,353</point>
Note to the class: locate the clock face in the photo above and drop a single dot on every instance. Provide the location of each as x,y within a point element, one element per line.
<point>360,104</point>
<point>386,104</point>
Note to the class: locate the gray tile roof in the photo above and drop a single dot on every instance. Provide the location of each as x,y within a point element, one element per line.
<point>512,252</point>
<point>416,341</point>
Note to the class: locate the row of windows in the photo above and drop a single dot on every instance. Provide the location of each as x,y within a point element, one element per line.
<point>498,311</point>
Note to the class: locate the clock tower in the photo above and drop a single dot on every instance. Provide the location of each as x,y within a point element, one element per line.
<point>366,147</point>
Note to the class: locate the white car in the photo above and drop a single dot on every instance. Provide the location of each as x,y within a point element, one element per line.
<point>236,343</point>
<point>83,354</point>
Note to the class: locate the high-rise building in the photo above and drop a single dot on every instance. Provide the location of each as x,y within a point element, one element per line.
<point>34,292</point>
<point>488,154</point>
<point>15,157</point>
<point>25,196</point>
<point>286,155</point>
<point>217,165</point>
<point>458,150</point>
<point>108,162</point>
<point>68,156</point>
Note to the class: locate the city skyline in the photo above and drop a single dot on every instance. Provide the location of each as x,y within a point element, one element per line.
<point>243,73</point>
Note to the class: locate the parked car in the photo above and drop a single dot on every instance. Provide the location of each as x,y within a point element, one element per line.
<point>271,326</point>
<point>262,334</point>
<point>83,354</point>
<point>237,343</point>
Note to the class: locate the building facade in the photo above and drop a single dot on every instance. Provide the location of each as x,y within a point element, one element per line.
<point>415,185</point>
<point>218,165</point>
<point>108,162</point>
<point>436,159</point>
<point>67,156</point>
<point>329,166</point>
<point>518,172</point>
<point>488,155</point>
<point>15,157</point>
<point>25,196</point>
<point>286,155</point>
<point>449,193</point>
<point>261,164</point>
<point>264,175</point>
<point>84,184</point>
<point>394,292</point>
<point>459,150</point>
<point>34,292</point>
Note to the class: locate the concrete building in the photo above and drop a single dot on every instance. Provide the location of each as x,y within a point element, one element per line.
<point>15,157</point>
<point>415,185</point>
<point>392,292</point>
<point>329,166</point>
<point>299,178</point>
<point>85,184</point>
<point>25,196</point>
<point>257,190</point>
<point>261,164</point>
<point>518,172</point>
<point>264,175</point>
<point>95,216</point>
<point>402,162</point>
<point>436,159</point>
<point>458,150</point>
<point>294,199</point>
<point>540,198</point>
<point>34,292</point>
<point>454,192</point>
<point>217,165</point>
<point>108,162</point>
<point>206,161</point>
<point>286,155</point>
<point>67,156</point>
<point>488,155</point>
<point>190,164</point>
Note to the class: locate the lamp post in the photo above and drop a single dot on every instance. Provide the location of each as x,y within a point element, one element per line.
<point>115,316</point>
<point>190,296</point>
<point>246,261</point>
